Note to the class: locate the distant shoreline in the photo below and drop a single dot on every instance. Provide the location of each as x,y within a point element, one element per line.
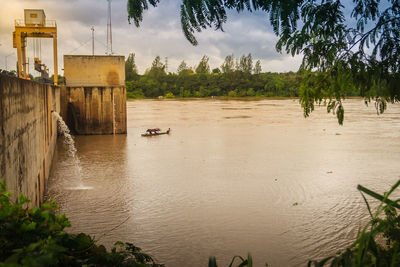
<point>239,98</point>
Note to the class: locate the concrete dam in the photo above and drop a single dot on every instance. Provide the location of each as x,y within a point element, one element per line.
<point>93,101</point>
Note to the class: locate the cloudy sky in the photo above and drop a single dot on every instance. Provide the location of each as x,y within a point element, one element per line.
<point>159,35</point>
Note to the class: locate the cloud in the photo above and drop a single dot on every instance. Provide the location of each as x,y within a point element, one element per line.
<point>159,34</point>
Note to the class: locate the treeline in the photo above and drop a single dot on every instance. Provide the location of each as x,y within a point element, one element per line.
<point>235,78</point>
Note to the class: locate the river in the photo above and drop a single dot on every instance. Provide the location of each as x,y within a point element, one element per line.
<point>232,177</point>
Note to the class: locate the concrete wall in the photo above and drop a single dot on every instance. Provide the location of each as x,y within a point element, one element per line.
<point>94,110</point>
<point>28,134</point>
<point>86,70</point>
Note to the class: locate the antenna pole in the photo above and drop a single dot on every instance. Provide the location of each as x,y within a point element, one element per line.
<point>109,31</point>
<point>92,40</point>
<point>108,15</point>
<point>111,52</point>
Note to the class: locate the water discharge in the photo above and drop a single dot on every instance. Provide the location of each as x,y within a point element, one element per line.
<point>69,144</point>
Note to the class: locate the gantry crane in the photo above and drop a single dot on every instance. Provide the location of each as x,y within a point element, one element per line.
<point>34,25</point>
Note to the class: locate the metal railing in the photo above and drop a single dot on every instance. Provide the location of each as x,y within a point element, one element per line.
<point>48,23</point>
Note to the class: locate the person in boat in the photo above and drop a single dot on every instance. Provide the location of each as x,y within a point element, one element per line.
<point>153,131</point>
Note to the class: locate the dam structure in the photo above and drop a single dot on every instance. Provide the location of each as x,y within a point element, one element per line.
<point>28,135</point>
<point>92,101</point>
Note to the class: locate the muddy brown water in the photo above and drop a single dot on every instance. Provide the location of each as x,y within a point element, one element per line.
<point>232,177</point>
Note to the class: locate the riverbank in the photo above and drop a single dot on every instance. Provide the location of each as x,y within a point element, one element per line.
<point>242,98</point>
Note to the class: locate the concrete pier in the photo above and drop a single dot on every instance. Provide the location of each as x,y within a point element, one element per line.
<point>94,110</point>
<point>94,98</point>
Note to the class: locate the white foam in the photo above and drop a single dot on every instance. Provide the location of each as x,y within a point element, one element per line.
<point>70,145</point>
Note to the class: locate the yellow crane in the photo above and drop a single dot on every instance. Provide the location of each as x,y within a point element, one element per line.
<point>34,25</point>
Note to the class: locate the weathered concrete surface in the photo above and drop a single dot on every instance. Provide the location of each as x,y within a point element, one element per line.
<point>94,71</point>
<point>94,110</point>
<point>28,134</point>
<point>94,99</point>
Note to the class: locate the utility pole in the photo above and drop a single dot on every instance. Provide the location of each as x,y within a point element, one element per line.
<point>92,40</point>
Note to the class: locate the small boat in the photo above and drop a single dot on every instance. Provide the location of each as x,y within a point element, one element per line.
<point>156,131</point>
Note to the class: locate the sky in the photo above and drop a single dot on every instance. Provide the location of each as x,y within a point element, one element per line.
<point>160,34</point>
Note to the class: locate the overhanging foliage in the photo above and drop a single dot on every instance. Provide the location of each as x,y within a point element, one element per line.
<point>366,55</point>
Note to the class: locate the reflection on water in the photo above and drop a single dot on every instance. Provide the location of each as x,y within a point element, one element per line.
<point>266,181</point>
<point>238,117</point>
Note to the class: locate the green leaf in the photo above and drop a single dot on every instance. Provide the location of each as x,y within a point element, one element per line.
<point>26,226</point>
<point>212,262</point>
<point>378,196</point>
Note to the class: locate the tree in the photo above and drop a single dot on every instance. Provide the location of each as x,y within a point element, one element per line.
<point>203,66</point>
<point>229,64</point>
<point>132,90</point>
<point>364,54</point>
<point>237,65</point>
<point>246,64</point>
<point>131,72</point>
<point>60,78</point>
<point>157,68</point>
<point>166,64</point>
<point>184,69</point>
<point>216,71</point>
<point>257,67</point>
<point>156,83</point>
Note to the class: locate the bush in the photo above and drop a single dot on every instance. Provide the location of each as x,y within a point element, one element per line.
<point>232,94</point>
<point>186,93</point>
<point>169,95</point>
<point>135,94</point>
<point>250,92</point>
<point>378,243</point>
<point>36,237</point>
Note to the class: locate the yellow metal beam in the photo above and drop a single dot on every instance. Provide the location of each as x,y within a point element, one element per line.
<point>55,59</point>
<point>35,29</point>
<point>23,54</point>
<point>19,42</point>
<point>42,35</point>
